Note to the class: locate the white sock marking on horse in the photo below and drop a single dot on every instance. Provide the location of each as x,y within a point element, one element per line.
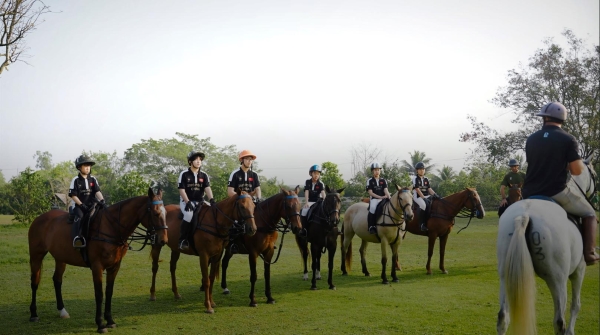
<point>64,314</point>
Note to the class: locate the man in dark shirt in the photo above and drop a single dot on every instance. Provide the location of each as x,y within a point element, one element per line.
<point>512,178</point>
<point>552,154</point>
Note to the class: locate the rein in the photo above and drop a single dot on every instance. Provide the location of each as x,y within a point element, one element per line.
<point>395,222</point>
<point>236,228</point>
<point>281,227</point>
<point>462,211</point>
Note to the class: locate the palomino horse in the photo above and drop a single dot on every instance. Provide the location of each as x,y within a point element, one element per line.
<point>210,237</point>
<point>390,231</point>
<point>322,235</point>
<point>440,223</point>
<point>109,231</point>
<point>536,237</point>
<point>267,215</point>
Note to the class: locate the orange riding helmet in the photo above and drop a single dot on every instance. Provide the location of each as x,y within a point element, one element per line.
<point>246,153</point>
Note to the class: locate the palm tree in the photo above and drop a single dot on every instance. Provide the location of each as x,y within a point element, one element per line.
<point>415,157</point>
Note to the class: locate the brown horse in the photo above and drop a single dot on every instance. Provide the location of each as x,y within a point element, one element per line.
<point>210,237</point>
<point>109,230</point>
<point>267,216</point>
<point>441,220</point>
<point>322,232</point>
<point>514,193</point>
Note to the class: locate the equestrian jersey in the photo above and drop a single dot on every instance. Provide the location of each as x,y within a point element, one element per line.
<point>377,186</point>
<point>247,181</point>
<point>193,184</point>
<point>513,178</point>
<point>421,183</point>
<point>314,190</point>
<point>84,188</point>
<point>549,151</point>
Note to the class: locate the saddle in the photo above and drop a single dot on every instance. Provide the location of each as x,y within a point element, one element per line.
<point>576,220</point>
<point>379,208</point>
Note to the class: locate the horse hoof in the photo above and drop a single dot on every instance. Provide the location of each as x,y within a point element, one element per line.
<point>34,319</point>
<point>112,325</point>
<point>253,305</point>
<point>344,274</point>
<point>177,296</point>
<point>385,282</point>
<point>226,291</point>
<point>445,272</point>
<point>64,314</point>
<point>152,298</point>
<point>313,288</point>
<point>332,288</point>
<point>429,273</point>
<point>271,302</point>
<point>395,281</point>
<point>210,311</point>
<point>102,330</point>
<point>367,275</point>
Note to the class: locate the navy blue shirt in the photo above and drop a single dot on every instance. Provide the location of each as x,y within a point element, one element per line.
<point>421,183</point>
<point>314,190</point>
<point>549,152</point>
<point>84,188</point>
<point>193,184</point>
<point>247,181</point>
<point>377,186</point>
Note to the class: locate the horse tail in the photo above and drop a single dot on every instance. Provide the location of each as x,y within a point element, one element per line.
<point>347,258</point>
<point>519,277</point>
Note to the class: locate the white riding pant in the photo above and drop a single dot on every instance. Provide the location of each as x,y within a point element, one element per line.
<point>373,205</point>
<point>572,201</point>
<point>419,201</point>
<point>187,216</point>
<point>304,210</point>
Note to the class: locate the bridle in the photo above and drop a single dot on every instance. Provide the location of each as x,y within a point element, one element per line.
<point>238,227</point>
<point>325,214</point>
<point>462,210</point>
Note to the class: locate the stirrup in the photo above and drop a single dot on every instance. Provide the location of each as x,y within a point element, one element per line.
<point>372,230</point>
<point>233,248</point>
<point>303,232</point>
<point>423,227</point>
<point>79,242</point>
<point>184,245</point>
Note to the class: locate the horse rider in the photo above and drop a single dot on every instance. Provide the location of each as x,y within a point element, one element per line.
<point>378,190</point>
<point>513,177</point>
<point>314,190</point>
<point>422,191</point>
<point>84,190</point>
<point>244,178</point>
<point>552,154</point>
<point>192,185</point>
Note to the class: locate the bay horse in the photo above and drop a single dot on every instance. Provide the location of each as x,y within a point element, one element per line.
<point>210,237</point>
<point>390,231</point>
<point>267,215</point>
<point>536,237</point>
<point>440,223</point>
<point>107,245</point>
<point>514,193</point>
<point>322,232</point>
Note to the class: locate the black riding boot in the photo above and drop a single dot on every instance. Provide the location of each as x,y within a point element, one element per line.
<point>304,231</point>
<point>423,219</point>
<point>371,223</point>
<point>183,233</point>
<point>78,240</point>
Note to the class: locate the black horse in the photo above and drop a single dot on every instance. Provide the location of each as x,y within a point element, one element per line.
<point>322,231</point>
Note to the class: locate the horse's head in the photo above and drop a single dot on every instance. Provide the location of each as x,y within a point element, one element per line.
<point>245,211</point>
<point>514,193</point>
<point>332,205</point>
<point>404,200</point>
<point>157,217</point>
<point>291,209</point>
<point>475,203</point>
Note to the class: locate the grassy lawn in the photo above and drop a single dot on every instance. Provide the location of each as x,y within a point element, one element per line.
<point>465,301</point>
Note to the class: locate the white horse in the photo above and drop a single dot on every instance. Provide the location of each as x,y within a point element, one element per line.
<point>536,236</point>
<point>390,230</point>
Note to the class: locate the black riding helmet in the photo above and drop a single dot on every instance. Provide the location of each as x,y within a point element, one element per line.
<point>193,154</point>
<point>419,165</point>
<point>83,159</point>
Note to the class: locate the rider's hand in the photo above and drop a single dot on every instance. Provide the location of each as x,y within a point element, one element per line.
<point>84,208</point>
<point>189,206</point>
<point>306,205</point>
<point>103,204</point>
<point>503,202</point>
<point>212,201</point>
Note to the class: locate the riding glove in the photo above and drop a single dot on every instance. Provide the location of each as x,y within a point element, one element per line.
<point>103,204</point>
<point>189,207</point>
<point>84,208</point>
<point>212,201</point>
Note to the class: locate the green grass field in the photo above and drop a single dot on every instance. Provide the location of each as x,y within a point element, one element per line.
<point>465,301</point>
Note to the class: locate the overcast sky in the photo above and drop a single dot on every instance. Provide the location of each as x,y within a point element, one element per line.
<point>297,82</point>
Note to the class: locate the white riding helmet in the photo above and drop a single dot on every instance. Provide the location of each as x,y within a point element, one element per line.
<point>555,110</point>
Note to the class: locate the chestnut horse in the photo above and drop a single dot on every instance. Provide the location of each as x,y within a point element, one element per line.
<point>390,231</point>
<point>322,232</point>
<point>514,193</point>
<point>210,236</point>
<point>267,215</point>
<point>441,220</point>
<point>107,245</point>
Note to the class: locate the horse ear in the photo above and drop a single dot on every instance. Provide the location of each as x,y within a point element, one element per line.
<point>150,193</point>
<point>238,191</point>
<point>327,189</point>
<point>297,189</point>
<point>159,193</point>
<point>341,190</point>
<point>398,187</point>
